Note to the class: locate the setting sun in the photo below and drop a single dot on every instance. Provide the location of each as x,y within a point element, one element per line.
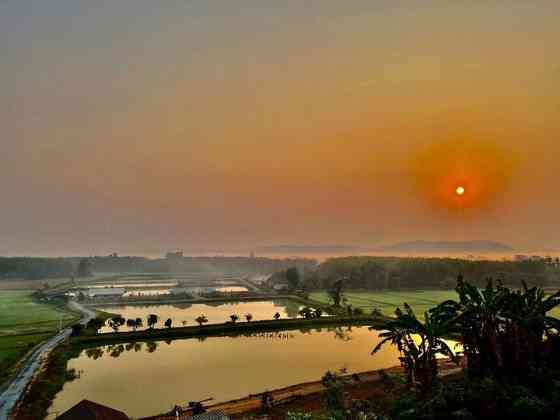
<point>460,190</point>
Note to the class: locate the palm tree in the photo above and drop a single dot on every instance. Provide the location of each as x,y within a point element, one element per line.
<point>419,343</point>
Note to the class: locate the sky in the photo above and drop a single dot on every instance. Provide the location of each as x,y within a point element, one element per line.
<point>138,127</point>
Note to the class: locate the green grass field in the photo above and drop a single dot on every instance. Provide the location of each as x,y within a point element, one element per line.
<point>25,323</point>
<point>387,301</point>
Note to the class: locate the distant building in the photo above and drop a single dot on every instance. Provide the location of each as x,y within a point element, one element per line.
<point>192,290</point>
<point>88,410</point>
<point>177,255</point>
<point>105,292</point>
<point>280,286</point>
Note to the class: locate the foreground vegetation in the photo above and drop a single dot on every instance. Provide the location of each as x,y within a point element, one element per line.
<point>25,322</point>
<point>511,366</point>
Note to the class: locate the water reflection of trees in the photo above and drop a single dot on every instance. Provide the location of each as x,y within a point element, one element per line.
<point>341,333</point>
<point>116,350</point>
<point>151,346</point>
<point>94,353</point>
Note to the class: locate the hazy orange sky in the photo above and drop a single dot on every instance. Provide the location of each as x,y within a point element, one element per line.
<point>138,126</point>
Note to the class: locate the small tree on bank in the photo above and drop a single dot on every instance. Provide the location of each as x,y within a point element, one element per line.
<point>168,323</point>
<point>234,318</point>
<point>95,324</point>
<point>201,320</point>
<point>131,323</point>
<point>116,322</point>
<point>249,317</point>
<point>152,320</point>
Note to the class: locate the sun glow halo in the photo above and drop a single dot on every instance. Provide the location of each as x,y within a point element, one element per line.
<point>460,190</point>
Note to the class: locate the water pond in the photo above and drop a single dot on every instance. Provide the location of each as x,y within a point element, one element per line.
<point>144,379</point>
<point>216,313</point>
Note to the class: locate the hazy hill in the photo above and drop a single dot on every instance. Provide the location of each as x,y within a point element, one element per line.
<point>447,246</point>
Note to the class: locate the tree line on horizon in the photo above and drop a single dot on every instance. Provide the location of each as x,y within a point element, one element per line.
<point>377,273</point>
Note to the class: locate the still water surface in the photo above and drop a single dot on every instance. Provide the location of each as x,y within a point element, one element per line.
<point>145,379</point>
<point>216,313</point>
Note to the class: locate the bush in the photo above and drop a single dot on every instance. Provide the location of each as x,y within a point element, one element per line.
<point>77,330</point>
<point>298,415</point>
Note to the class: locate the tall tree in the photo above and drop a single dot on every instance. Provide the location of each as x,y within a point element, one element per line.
<point>292,276</point>
<point>84,268</point>
<point>336,292</point>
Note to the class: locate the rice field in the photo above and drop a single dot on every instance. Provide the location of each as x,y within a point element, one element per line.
<point>25,323</point>
<point>388,301</point>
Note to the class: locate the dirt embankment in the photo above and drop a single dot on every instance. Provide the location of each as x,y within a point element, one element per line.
<point>307,396</point>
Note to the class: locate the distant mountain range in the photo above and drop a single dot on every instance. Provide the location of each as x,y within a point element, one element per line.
<point>447,246</point>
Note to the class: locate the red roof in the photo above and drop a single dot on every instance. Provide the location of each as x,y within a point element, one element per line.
<point>88,410</point>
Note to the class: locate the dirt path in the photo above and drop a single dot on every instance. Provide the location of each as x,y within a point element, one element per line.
<point>15,390</point>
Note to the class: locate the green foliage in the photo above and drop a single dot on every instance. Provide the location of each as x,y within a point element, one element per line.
<point>333,395</point>
<point>298,415</point>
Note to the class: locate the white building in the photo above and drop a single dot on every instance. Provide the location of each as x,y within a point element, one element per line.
<point>192,290</point>
<point>105,292</point>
